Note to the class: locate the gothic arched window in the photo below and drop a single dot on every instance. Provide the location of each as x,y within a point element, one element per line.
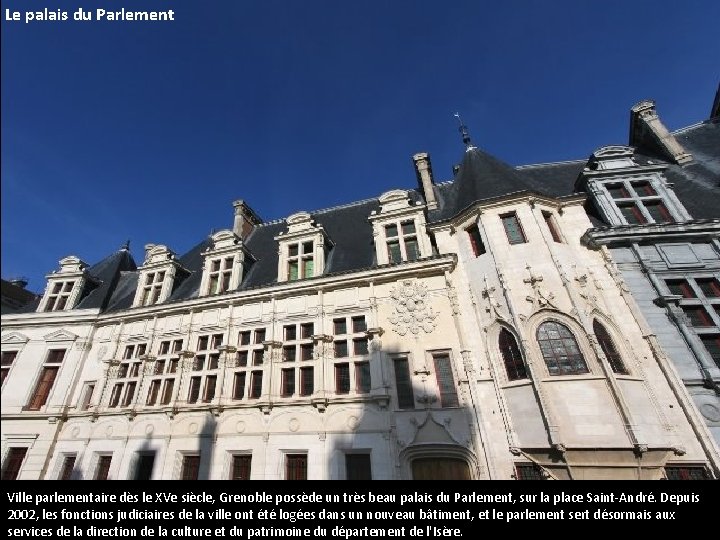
<point>608,347</point>
<point>560,349</point>
<point>514,364</point>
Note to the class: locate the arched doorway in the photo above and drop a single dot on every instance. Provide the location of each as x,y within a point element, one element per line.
<point>440,468</point>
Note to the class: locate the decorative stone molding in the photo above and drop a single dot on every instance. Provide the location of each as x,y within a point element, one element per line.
<point>412,312</point>
<point>540,297</point>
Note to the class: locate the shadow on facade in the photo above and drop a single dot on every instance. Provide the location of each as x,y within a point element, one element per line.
<point>416,423</point>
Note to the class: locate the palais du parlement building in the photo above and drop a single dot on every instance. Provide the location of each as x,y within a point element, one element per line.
<point>550,321</point>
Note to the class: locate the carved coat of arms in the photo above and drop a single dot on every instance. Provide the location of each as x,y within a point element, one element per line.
<point>412,311</point>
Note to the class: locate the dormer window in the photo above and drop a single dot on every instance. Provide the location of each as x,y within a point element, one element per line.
<point>302,248</point>
<point>153,286</point>
<point>399,229</point>
<point>58,298</point>
<point>301,260</point>
<point>65,286</point>
<point>225,261</point>
<point>401,239</point>
<point>158,275</point>
<point>220,274</point>
<point>639,202</point>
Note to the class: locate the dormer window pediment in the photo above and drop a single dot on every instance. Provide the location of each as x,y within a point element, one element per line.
<point>225,261</point>
<point>399,229</point>
<point>612,157</point>
<point>157,275</point>
<point>65,285</point>
<point>303,248</point>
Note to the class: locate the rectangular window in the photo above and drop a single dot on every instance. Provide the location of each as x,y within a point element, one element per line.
<point>152,288</point>
<point>340,326</point>
<point>644,189</point>
<point>129,394</point>
<point>307,330</point>
<point>403,384</point>
<point>710,287</point>
<point>658,212</point>
<point>342,378</point>
<point>259,336</point>
<point>42,388</point>
<point>203,343</point>
<point>632,214</point>
<point>153,392</point>
<point>290,332</point>
<point>241,360</point>
<point>240,468</point>
<point>403,246</point>
<point>210,385</point>
<point>103,468</point>
<point>239,385</point>
<point>357,467</point>
<point>306,351</point>
<point>550,222</point>
<point>513,229</point>
<point>697,315</point>
<point>445,380</point>
<point>307,381</point>
<point>686,473</point>
<point>59,296</point>
<point>296,467</point>
<point>359,324</point>
<point>67,467</point>
<point>618,191</point>
<point>362,377</point>
<point>528,471</point>
<point>476,243</point>
<point>394,255</point>
<point>194,390</point>
<point>680,287</point>
<point>301,261</point>
<point>219,275</point>
<point>245,337</point>
<point>8,358</point>
<point>258,357</point>
<point>360,346</point>
<point>712,344</point>
<point>167,391</point>
<point>55,356</point>
<point>115,395</point>
<point>198,362</point>
<point>288,382</point>
<point>256,384</point>
<point>144,466</point>
<point>341,349</point>
<point>190,467</point>
<point>13,463</point>
<point>289,353</point>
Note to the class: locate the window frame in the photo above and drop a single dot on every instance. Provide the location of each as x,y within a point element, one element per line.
<point>578,367</point>
<point>516,236</point>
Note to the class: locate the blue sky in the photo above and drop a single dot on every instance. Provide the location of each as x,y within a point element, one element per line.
<point>148,131</point>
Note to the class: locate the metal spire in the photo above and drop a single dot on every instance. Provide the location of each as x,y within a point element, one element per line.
<point>464,132</point>
<point>126,247</point>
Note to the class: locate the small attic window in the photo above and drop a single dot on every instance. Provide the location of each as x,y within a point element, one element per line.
<point>58,298</point>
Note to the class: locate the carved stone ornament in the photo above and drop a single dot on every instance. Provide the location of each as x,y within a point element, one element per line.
<point>540,297</point>
<point>412,312</point>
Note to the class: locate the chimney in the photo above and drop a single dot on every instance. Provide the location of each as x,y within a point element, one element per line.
<point>19,282</point>
<point>648,131</point>
<point>245,219</point>
<point>423,169</point>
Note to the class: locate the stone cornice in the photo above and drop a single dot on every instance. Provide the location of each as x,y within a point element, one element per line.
<point>628,234</point>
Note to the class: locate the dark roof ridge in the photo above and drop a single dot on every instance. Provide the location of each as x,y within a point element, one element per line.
<point>549,163</point>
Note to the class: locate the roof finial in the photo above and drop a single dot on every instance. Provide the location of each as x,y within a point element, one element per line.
<point>465,133</point>
<point>126,246</point>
